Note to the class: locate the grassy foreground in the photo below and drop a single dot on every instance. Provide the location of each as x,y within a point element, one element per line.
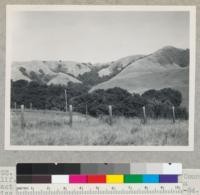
<point>51,128</point>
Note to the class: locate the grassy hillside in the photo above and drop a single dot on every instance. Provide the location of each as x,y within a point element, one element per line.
<point>117,66</point>
<point>49,72</point>
<point>178,79</point>
<point>62,79</point>
<point>51,128</point>
<point>164,68</point>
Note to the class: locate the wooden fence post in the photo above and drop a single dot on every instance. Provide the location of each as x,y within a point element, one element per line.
<point>23,124</point>
<point>173,114</point>
<point>70,115</point>
<point>110,115</point>
<point>66,106</point>
<point>144,114</point>
<point>31,106</point>
<point>86,111</point>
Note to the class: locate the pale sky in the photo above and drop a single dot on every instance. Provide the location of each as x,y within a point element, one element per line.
<point>89,36</point>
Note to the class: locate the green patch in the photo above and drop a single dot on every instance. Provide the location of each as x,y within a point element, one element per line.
<point>133,178</point>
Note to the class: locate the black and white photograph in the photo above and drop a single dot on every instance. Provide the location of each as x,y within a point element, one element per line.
<point>118,78</point>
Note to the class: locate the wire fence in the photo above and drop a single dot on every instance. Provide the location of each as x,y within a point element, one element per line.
<point>70,113</point>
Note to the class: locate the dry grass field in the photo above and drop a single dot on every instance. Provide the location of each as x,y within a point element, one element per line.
<point>51,128</point>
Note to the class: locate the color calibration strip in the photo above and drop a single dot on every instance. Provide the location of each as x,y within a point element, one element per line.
<point>104,179</point>
<point>87,168</point>
<point>98,173</point>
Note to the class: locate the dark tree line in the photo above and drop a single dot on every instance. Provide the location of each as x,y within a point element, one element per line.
<point>158,103</point>
<point>43,96</point>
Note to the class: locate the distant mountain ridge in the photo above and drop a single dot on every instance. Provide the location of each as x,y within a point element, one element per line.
<point>166,67</point>
<point>46,71</point>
